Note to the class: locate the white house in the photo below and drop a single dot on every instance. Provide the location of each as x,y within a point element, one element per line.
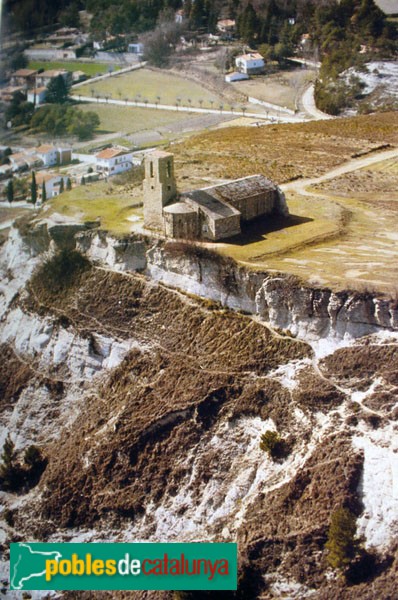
<point>137,48</point>
<point>51,156</point>
<point>52,183</point>
<point>250,63</point>
<point>21,161</point>
<point>44,78</point>
<point>112,161</point>
<point>37,96</point>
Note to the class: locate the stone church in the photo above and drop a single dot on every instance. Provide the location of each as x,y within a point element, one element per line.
<point>212,213</point>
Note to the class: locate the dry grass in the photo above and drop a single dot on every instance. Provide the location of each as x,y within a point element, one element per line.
<point>128,120</point>
<point>281,88</point>
<point>282,152</point>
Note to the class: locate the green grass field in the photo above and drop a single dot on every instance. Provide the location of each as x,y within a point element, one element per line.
<point>91,69</point>
<point>108,202</point>
<point>153,86</point>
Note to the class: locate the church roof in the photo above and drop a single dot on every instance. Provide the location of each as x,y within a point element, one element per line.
<point>239,189</point>
<point>216,208</point>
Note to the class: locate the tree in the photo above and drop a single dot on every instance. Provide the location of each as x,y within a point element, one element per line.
<point>61,186</point>
<point>43,193</point>
<point>10,191</point>
<point>10,471</point>
<point>19,112</point>
<point>157,50</point>
<point>68,184</point>
<point>57,120</point>
<point>57,90</point>
<point>341,544</point>
<point>33,189</point>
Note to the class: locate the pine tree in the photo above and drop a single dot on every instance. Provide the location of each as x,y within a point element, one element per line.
<point>83,180</point>
<point>10,191</point>
<point>61,186</point>
<point>33,189</point>
<point>68,184</point>
<point>43,193</point>
<point>341,543</point>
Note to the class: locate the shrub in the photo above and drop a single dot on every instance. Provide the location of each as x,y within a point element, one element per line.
<point>9,517</point>
<point>272,443</point>
<point>35,464</point>
<point>61,271</point>
<point>11,474</point>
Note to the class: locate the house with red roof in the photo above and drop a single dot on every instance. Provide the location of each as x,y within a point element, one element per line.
<point>112,161</point>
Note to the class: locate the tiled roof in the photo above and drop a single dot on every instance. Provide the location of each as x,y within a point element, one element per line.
<point>24,73</point>
<point>45,149</point>
<point>110,153</point>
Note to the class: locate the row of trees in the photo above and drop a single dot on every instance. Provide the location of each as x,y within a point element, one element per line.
<point>22,187</point>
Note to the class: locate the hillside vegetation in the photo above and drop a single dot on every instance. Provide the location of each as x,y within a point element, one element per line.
<point>283,152</point>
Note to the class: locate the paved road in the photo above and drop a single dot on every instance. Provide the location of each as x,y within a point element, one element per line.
<point>308,103</point>
<point>190,109</point>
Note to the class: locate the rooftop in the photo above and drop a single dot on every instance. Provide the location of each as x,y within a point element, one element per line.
<point>45,148</point>
<point>52,73</point>
<point>210,204</point>
<point>160,154</point>
<point>24,73</point>
<point>40,177</point>
<point>110,153</point>
<point>251,56</point>
<point>179,208</point>
<point>240,189</point>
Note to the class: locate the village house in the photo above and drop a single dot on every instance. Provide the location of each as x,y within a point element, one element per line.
<point>250,64</point>
<point>24,77</point>
<point>7,93</point>
<point>43,79</point>
<point>226,27</point>
<point>52,183</point>
<point>213,213</point>
<point>37,96</point>
<point>51,155</point>
<point>112,161</point>
<point>22,161</point>
<point>136,48</point>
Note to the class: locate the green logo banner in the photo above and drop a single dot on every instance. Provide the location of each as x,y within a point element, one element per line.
<point>39,566</point>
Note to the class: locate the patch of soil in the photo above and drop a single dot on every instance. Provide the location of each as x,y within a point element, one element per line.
<point>15,376</point>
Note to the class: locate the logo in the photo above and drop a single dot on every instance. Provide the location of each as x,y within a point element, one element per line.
<point>69,566</point>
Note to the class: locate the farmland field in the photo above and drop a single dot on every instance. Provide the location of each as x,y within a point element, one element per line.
<point>129,119</point>
<point>145,84</point>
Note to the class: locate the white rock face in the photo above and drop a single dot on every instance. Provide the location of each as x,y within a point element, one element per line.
<point>379,487</point>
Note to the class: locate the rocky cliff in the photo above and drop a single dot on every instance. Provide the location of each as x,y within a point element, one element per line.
<point>148,403</point>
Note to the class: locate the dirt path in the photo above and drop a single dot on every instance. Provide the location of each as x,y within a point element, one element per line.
<point>300,185</point>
